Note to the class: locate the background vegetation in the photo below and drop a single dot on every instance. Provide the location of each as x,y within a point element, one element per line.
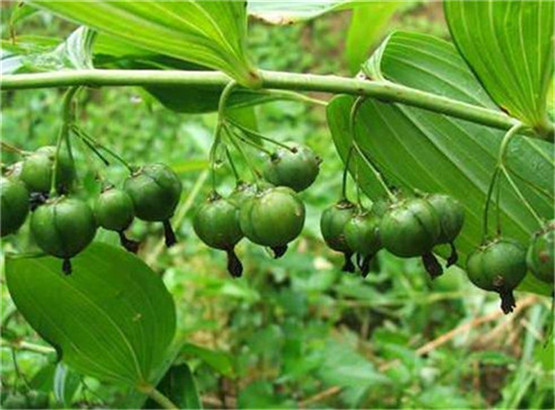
<point>295,332</point>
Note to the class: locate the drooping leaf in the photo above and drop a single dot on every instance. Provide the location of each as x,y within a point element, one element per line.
<point>31,54</point>
<point>367,25</point>
<point>112,318</point>
<point>435,153</point>
<point>510,47</point>
<point>209,33</point>
<point>180,387</point>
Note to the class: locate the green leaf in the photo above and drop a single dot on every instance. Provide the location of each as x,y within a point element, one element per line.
<point>112,318</point>
<point>208,33</point>
<point>180,387</point>
<point>31,53</point>
<point>220,361</point>
<point>65,384</point>
<point>418,149</point>
<point>509,45</point>
<point>367,25</point>
<point>291,12</point>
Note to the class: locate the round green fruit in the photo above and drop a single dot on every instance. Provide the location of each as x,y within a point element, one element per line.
<point>332,226</point>
<point>273,217</point>
<point>36,172</point>
<point>216,223</point>
<point>114,210</point>
<point>451,216</point>
<point>155,190</point>
<point>296,168</point>
<point>14,205</point>
<point>410,228</point>
<point>500,266</point>
<point>451,220</point>
<point>362,233</point>
<point>242,193</point>
<point>63,227</point>
<point>540,258</point>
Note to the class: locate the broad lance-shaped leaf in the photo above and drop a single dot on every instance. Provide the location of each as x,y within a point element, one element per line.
<point>432,152</point>
<point>209,33</point>
<point>112,318</point>
<point>509,45</point>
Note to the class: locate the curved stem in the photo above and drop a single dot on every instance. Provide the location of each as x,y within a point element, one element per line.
<point>63,136</point>
<point>258,135</point>
<point>345,173</point>
<point>83,134</point>
<point>219,125</point>
<point>232,165</point>
<point>246,158</point>
<point>495,176</point>
<point>161,399</point>
<point>382,90</point>
<point>352,129</point>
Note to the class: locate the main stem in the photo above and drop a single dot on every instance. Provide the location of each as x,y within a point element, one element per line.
<point>381,90</point>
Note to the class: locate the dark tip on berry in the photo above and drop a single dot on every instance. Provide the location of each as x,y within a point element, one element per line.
<point>279,251</point>
<point>36,199</point>
<point>365,265</point>
<point>66,267</point>
<point>129,245</point>
<point>348,266</point>
<point>432,265</point>
<point>169,234</point>
<point>234,265</point>
<point>508,302</point>
<point>454,257</point>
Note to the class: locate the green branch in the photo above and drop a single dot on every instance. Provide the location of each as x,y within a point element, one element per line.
<point>271,80</point>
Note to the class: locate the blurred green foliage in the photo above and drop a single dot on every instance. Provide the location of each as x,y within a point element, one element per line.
<point>295,332</point>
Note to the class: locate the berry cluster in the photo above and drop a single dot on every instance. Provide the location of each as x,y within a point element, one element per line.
<point>269,213</point>
<point>407,228</point>
<point>61,223</point>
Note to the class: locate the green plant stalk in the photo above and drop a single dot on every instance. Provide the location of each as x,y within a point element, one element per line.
<point>495,176</point>
<point>85,136</point>
<point>253,133</point>
<point>63,136</point>
<point>157,396</point>
<point>219,126</point>
<point>381,90</point>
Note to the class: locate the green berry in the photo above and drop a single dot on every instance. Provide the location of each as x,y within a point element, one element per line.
<point>273,218</point>
<point>14,205</point>
<point>36,172</point>
<point>296,168</point>
<point>500,266</point>
<point>63,227</point>
<point>155,190</point>
<point>540,258</point>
